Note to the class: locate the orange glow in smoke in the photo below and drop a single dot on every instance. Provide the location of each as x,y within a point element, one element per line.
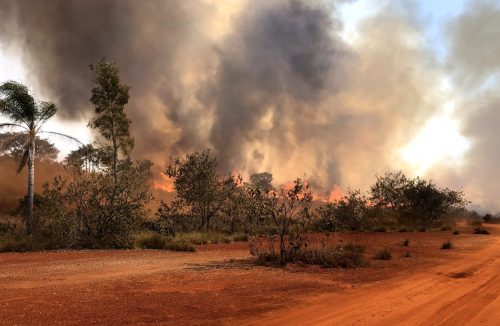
<point>164,183</point>
<point>336,194</point>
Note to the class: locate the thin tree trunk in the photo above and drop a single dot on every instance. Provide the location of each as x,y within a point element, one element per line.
<point>31,185</point>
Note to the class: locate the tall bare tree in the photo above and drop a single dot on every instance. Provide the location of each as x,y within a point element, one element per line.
<point>26,115</point>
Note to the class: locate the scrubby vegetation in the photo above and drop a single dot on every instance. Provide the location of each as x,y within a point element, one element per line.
<point>332,256</point>
<point>383,254</point>
<point>101,198</point>
<point>447,245</point>
<point>147,240</point>
<point>481,230</point>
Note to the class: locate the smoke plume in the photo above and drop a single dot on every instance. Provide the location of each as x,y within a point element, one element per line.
<point>268,85</point>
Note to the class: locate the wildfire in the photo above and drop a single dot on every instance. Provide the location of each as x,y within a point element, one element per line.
<point>335,194</point>
<point>164,183</point>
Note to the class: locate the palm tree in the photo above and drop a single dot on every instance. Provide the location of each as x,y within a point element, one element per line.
<point>28,115</point>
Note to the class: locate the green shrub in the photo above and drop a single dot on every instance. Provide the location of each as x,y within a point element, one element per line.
<point>380,229</point>
<point>179,245</point>
<point>149,241</point>
<point>383,254</point>
<point>352,247</point>
<point>267,257</point>
<point>17,244</point>
<point>406,243</point>
<point>6,228</point>
<point>481,230</point>
<point>406,254</point>
<point>447,245</point>
<point>456,232</point>
<point>422,230</point>
<point>402,230</point>
<point>240,237</point>
<point>347,256</point>
<point>199,238</point>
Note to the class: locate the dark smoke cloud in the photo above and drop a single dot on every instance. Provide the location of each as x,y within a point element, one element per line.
<point>282,61</point>
<point>149,40</point>
<point>269,85</point>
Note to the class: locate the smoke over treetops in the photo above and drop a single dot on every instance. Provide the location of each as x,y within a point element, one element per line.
<point>268,85</point>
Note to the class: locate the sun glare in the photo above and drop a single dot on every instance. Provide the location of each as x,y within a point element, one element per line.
<point>439,141</point>
<point>11,67</point>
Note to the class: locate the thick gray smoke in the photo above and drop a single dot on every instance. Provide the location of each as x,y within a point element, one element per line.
<point>275,71</point>
<point>269,85</point>
<point>151,41</point>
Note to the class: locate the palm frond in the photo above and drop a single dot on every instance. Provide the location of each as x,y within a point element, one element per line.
<point>12,125</point>
<point>63,136</point>
<point>17,103</point>
<point>13,111</point>
<point>45,112</point>
<point>24,159</point>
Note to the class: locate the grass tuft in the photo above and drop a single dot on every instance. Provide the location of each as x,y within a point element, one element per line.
<point>481,230</point>
<point>148,240</point>
<point>447,245</point>
<point>383,254</point>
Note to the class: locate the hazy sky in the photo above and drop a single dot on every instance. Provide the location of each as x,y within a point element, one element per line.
<point>337,91</point>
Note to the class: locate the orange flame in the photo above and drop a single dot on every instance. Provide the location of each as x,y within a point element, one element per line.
<point>165,183</point>
<point>335,194</point>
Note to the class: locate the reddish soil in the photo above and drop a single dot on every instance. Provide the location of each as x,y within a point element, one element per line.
<point>219,285</point>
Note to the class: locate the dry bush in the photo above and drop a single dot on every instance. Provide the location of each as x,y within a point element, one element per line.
<point>447,245</point>
<point>383,254</point>
<point>331,256</point>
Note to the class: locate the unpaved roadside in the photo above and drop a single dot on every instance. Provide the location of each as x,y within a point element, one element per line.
<point>218,285</point>
<point>464,291</point>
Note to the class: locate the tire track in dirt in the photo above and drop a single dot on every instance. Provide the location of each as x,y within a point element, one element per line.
<point>463,291</point>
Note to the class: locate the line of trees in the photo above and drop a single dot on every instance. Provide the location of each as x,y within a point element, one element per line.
<point>100,200</point>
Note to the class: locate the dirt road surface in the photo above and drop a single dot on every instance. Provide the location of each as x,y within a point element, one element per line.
<point>219,285</point>
<point>461,292</point>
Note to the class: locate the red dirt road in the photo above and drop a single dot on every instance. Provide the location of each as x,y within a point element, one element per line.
<point>461,292</point>
<point>218,285</point>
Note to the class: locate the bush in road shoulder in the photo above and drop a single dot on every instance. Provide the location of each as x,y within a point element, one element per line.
<point>383,254</point>
<point>200,238</point>
<point>481,230</point>
<point>447,245</point>
<point>149,240</point>
<point>350,255</point>
<point>179,245</point>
